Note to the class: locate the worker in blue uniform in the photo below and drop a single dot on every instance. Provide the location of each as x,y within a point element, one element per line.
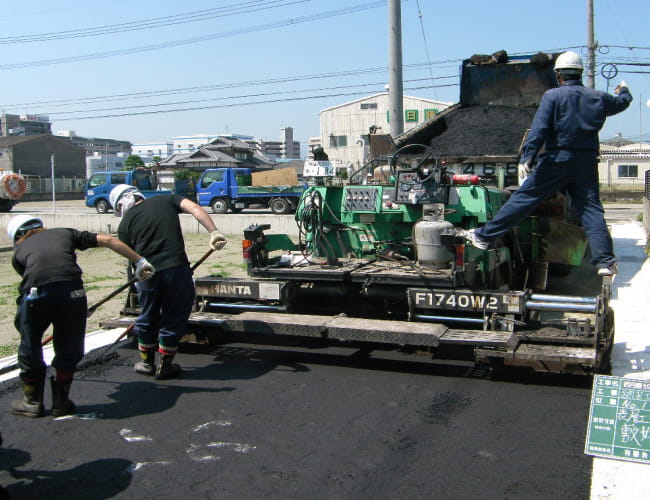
<point>566,126</point>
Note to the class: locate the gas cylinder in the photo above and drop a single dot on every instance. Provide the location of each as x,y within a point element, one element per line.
<point>429,250</point>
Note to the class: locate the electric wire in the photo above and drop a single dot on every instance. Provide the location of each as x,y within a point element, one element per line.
<point>204,38</point>
<point>206,88</point>
<point>426,48</point>
<point>190,17</point>
<point>244,96</point>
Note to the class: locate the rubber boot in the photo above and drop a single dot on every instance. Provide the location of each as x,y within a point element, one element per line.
<point>32,403</point>
<point>148,364</point>
<point>61,404</point>
<point>166,369</point>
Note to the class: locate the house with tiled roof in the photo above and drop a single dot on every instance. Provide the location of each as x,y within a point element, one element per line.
<point>222,152</point>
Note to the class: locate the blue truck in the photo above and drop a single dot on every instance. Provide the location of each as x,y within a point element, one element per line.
<point>231,188</point>
<point>99,185</point>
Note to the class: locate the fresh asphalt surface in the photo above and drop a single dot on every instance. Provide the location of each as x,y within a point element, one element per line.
<point>248,421</point>
<point>253,421</point>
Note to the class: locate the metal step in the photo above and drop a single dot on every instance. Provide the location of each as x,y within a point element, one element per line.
<point>344,328</point>
<point>355,329</point>
<point>558,354</point>
<point>483,338</point>
<point>326,327</point>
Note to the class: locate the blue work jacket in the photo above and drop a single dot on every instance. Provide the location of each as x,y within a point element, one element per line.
<point>569,118</point>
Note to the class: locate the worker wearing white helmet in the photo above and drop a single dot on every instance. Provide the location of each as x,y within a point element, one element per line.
<point>566,126</point>
<point>152,227</point>
<point>123,197</point>
<point>52,293</point>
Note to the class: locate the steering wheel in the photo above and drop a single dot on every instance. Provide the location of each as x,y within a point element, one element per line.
<point>425,153</point>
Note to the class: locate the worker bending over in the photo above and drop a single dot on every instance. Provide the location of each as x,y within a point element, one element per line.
<point>52,293</point>
<point>566,125</point>
<point>152,227</point>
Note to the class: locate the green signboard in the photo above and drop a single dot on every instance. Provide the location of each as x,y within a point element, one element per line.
<point>619,419</point>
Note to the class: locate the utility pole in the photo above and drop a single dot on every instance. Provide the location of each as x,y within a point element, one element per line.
<point>591,46</point>
<point>395,83</point>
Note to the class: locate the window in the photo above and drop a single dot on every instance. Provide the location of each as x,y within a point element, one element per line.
<point>411,115</point>
<point>368,105</point>
<point>118,178</point>
<point>211,177</point>
<point>430,113</point>
<point>142,180</point>
<point>628,170</point>
<point>338,141</point>
<point>97,180</point>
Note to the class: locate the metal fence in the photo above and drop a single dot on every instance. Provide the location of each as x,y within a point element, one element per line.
<point>39,188</point>
<point>646,203</point>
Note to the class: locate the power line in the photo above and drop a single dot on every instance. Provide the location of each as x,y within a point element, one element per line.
<point>426,46</point>
<point>251,103</point>
<point>220,86</point>
<point>174,103</point>
<point>187,41</point>
<point>189,17</point>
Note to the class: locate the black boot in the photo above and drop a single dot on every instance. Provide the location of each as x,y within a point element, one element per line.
<point>61,404</point>
<point>32,403</point>
<point>148,364</point>
<point>167,369</point>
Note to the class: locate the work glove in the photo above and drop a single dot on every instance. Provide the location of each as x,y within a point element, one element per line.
<point>524,170</point>
<point>143,269</point>
<point>618,88</point>
<point>217,240</point>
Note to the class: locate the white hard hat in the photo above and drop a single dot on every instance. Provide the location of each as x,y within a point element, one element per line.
<point>20,224</point>
<point>569,61</point>
<point>117,192</point>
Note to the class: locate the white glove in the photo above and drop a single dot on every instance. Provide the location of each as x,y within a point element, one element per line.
<point>524,170</point>
<point>217,240</point>
<point>620,86</point>
<point>143,269</point>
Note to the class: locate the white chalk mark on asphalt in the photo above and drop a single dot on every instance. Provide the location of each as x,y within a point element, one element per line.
<point>238,447</point>
<point>141,465</point>
<point>218,423</point>
<point>131,437</point>
<point>79,416</point>
<point>198,455</point>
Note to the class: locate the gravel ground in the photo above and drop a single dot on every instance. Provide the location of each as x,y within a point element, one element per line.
<point>105,271</point>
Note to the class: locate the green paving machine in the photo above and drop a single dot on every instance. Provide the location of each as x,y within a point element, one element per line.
<point>378,261</point>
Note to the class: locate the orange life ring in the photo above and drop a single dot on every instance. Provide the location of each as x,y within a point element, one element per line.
<point>14,186</point>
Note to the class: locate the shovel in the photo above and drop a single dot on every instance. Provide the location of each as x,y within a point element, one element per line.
<point>123,287</point>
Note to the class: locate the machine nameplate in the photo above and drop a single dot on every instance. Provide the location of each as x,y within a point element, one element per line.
<point>239,289</point>
<point>466,300</point>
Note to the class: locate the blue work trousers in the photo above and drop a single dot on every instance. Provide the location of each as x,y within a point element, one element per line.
<point>62,305</point>
<point>166,301</point>
<point>577,173</point>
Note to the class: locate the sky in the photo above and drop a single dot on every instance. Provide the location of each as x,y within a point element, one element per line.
<point>150,70</point>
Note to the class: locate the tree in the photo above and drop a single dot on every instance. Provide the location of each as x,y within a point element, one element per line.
<point>185,174</point>
<point>133,161</point>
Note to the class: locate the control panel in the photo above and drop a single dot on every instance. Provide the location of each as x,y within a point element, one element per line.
<point>360,199</point>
